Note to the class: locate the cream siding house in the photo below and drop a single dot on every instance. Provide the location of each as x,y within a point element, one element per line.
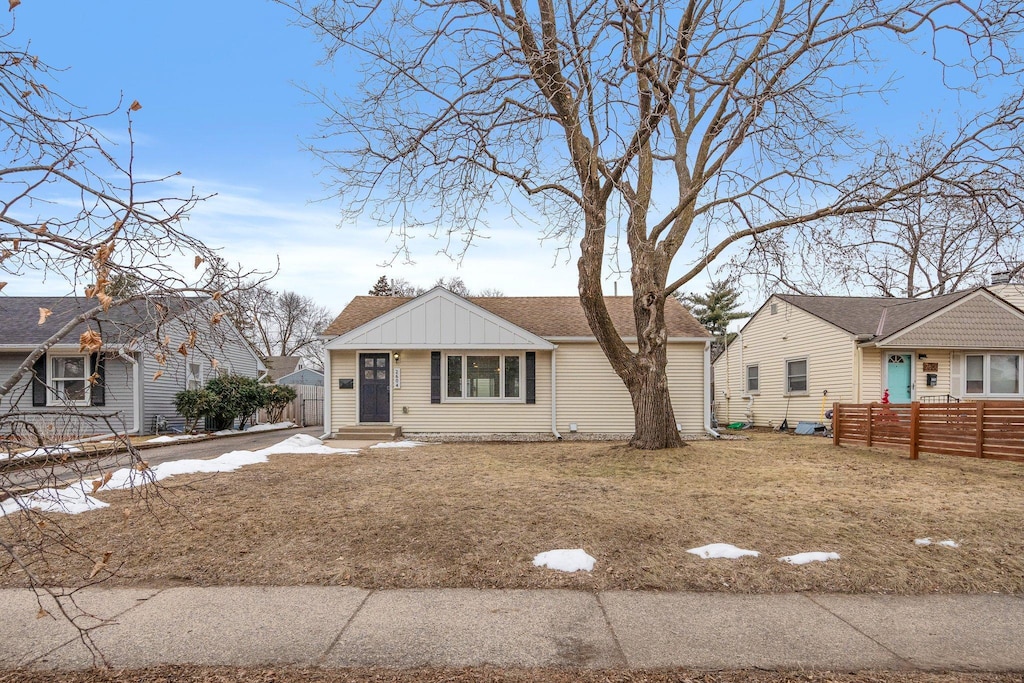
<point>439,363</point>
<point>799,354</point>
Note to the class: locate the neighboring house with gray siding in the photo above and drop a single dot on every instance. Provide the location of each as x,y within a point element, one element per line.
<point>151,349</point>
<point>799,354</point>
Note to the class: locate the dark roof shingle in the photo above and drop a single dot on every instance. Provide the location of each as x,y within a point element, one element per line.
<point>544,316</point>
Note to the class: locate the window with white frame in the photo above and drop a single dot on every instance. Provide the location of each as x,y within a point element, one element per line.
<point>992,374</point>
<point>69,380</point>
<point>796,376</point>
<point>195,376</point>
<point>753,379</point>
<point>494,377</point>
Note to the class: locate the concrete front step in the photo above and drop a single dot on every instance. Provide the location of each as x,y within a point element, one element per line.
<point>368,432</point>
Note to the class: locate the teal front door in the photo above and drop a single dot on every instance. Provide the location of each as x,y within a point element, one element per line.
<point>898,374</point>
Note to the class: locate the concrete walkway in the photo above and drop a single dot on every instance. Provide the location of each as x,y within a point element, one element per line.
<point>346,627</point>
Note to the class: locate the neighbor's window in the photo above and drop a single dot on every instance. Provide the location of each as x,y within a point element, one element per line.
<point>1004,374</point>
<point>796,376</point>
<point>975,374</point>
<point>486,377</point>
<point>753,379</point>
<point>69,379</point>
<point>195,376</point>
<point>993,374</point>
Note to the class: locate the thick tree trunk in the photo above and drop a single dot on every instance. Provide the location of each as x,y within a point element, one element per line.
<point>655,421</point>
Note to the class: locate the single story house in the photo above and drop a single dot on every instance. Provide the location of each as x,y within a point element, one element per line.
<point>441,363</point>
<point>799,354</point>
<point>150,350</point>
<point>292,370</point>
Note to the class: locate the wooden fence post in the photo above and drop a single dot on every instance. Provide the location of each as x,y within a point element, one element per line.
<point>915,428</point>
<point>868,430</point>
<point>979,441</point>
<point>835,424</point>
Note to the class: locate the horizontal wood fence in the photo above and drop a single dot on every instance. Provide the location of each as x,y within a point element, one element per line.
<point>980,429</point>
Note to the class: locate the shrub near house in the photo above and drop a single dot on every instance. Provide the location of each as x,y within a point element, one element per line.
<point>229,397</point>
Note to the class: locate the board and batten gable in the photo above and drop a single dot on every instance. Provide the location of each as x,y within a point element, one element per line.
<point>441,322</point>
<point>769,340</point>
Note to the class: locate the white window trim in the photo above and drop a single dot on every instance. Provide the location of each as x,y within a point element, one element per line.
<point>188,374</point>
<point>807,376</point>
<point>53,393</point>
<point>465,398</point>
<point>746,379</point>
<point>986,376</point>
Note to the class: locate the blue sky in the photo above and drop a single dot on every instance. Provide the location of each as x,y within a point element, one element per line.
<point>218,82</point>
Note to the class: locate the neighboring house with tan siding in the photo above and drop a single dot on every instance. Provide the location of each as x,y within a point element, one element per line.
<point>440,363</point>
<point>799,354</point>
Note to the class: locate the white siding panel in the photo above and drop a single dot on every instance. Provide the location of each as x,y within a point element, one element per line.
<point>343,401</point>
<point>769,341</point>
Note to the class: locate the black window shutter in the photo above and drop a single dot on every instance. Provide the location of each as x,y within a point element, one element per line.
<point>98,391</point>
<point>435,376</point>
<point>531,377</point>
<point>39,382</point>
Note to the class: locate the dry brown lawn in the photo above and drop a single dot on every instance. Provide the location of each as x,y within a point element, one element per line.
<point>474,515</point>
<point>195,674</point>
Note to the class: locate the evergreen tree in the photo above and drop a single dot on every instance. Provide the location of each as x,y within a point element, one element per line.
<point>382,287</point>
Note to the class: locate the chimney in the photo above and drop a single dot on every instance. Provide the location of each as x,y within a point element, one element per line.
<point>1001,278</point>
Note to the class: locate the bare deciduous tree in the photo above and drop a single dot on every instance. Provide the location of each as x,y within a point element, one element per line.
<point>681,128</point>
<point>952,234</point>
<point>279,323</point>
<point>73,212</point>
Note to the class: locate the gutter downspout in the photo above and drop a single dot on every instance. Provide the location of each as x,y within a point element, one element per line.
<point>328,388</point>
<point>707,392</point>
<point>554,397</point>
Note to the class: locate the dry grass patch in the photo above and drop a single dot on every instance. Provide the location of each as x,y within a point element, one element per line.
<point>474,515</point>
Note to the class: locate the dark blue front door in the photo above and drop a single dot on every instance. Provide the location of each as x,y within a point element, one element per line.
<point>374,388</point>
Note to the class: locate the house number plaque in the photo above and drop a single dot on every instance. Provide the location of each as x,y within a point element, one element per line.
<point>931,367</point>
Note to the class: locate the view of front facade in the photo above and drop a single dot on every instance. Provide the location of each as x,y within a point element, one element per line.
<point>440,363</point>
<point>799,354</point>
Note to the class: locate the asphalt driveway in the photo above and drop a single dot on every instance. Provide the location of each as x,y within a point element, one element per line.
<point>61,475</point>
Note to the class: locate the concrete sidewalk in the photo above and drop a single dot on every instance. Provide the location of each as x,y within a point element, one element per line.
<point>347,627</point>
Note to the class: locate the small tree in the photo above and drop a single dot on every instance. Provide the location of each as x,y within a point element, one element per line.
<point>278,397</point>
<point>382,287</point>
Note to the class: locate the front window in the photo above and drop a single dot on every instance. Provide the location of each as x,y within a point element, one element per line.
<point>996,374</point>
<point>796,376</point>
<point>753,378</point>
<point>484,377</point>
<point>69,379</point>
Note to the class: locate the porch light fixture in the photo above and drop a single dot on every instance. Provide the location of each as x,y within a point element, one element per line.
<point>922,356</point>
<point>398,356</point>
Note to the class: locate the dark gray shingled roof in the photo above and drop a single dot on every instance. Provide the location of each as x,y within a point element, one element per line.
<point>19,318</point>
<point>875,316</point>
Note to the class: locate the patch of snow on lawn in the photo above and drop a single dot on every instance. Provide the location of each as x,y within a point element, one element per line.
<point>949,543</point>
<point>719,551</point>
<point>177,437</point>
<point>267,428</point>
<point>807,558</point>
<point>77,497</point>
<point>565,560</point>
<point>398,444</point>
<point>227,432</point>
<point>45,450</point>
